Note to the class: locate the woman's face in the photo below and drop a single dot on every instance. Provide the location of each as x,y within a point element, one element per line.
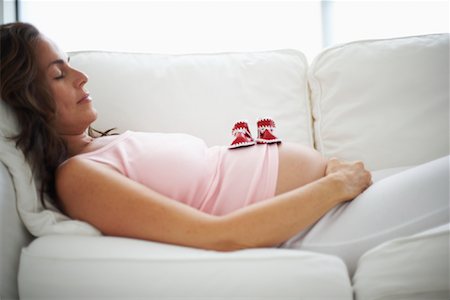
<point>74,110</point>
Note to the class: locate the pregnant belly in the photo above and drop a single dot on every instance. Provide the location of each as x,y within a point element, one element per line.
<point>298,165</point>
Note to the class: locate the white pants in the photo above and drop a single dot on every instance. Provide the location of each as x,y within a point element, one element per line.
<point>398,205</point>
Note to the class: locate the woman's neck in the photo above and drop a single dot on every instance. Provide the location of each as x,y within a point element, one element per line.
<point>76,144</point>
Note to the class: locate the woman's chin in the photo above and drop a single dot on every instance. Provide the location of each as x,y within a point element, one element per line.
<point>94,114</point>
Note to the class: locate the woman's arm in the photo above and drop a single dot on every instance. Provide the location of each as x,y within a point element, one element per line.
<point>274,221</point>
<point>118,206</point>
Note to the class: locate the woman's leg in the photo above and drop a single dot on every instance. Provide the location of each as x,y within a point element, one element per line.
<point>399,205</point>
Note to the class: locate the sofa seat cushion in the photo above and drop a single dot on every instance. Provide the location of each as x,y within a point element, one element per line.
<point>90,267</point>
<point>409,268</point>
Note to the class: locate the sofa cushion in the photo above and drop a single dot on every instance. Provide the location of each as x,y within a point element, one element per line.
<point>415,267</point>
<point>76,267</point>
<point>385,102</point>
<point>199,94</point>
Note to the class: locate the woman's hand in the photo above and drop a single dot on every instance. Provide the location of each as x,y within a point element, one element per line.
<point>353,176</point>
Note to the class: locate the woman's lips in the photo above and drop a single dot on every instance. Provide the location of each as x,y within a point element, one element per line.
<point>86,98</point>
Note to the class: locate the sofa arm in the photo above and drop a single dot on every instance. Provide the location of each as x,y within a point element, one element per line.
<point>13,236</point>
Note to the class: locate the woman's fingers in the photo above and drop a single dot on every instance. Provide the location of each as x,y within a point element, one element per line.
<point>354,175</point>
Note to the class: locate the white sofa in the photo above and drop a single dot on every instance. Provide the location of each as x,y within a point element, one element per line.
<point>385,102</point>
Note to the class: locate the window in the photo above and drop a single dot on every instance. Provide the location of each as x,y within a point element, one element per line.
<point>8,12</point>
<point>221,26</point>
<point>178,26</point>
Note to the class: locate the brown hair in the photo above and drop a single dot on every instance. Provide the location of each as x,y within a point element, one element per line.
<point>26,92</point>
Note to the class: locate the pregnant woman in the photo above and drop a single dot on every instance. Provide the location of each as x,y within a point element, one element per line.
<point>172,188</point>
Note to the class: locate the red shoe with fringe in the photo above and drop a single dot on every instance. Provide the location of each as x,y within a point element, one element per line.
<point>242,135</point>
<point>266,134</point>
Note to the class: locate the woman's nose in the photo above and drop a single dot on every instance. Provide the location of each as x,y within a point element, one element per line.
<point>81,79</point>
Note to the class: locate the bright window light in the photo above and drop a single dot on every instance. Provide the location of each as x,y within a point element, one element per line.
<point>223,26</point>
<point>178,26</point>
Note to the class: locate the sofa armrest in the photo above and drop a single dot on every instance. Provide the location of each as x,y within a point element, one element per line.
<point>13,236</point>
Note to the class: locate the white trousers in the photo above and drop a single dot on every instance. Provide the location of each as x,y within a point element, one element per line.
<point>398,205</point>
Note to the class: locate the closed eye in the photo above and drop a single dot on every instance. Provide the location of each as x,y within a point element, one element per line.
<point>59,77</point>
<point>61,63</point>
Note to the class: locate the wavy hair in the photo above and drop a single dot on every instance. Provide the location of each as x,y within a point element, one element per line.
<point>23,88</point>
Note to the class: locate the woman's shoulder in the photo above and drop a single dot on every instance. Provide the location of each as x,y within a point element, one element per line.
<point>71,168</point>
<point>77,175</point>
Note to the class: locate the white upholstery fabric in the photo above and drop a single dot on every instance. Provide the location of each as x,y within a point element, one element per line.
<point>410,268</point>
<point>385,102</point>
<point>13,236</point>
<point>199,94</point>
<point>76,267</point>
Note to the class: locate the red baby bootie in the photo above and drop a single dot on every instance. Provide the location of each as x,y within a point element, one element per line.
<point>242,135</point>
<point>266,134</point>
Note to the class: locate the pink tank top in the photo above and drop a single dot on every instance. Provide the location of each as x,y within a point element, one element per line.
<point>180,166</point>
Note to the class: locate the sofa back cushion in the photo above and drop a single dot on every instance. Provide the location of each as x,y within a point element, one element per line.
<point>385,102</point>
<point>199,94</point>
